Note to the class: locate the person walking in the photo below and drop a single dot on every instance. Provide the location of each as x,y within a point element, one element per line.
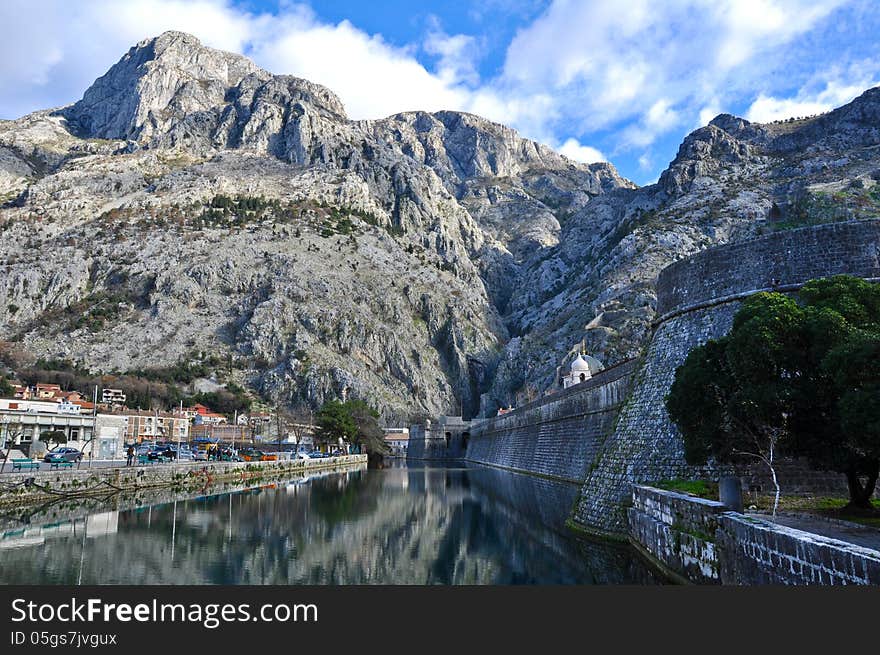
<point>129,456</point>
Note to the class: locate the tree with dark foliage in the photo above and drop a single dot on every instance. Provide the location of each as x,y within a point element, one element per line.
<point>803,377</point>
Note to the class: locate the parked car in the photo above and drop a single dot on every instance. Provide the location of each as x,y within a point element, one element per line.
<point>254,455</point>
<point>184,453</point>
<point>317,454</point>
<point>200,455</point>
<point>63,454</point>
<point>163,452</point>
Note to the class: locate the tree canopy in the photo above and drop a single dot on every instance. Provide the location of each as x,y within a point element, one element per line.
<point>802,377</point>
<point>353,421</point>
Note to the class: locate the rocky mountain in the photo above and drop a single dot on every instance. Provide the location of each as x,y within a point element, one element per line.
<point>194,206</point>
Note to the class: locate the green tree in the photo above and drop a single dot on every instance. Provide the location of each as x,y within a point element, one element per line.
<point>334,421</point>
<point>801,376</point>
<point>730,398</point>
<point>370,436</point>
<point>53,436</point>
<point>6,389</point>
<point>353,421</point>
<point>837,422</point>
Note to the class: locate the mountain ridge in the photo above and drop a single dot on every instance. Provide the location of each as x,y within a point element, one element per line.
<point>423,261</point>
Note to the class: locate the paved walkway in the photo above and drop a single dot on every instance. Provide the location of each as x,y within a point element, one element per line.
<point>854,533</point>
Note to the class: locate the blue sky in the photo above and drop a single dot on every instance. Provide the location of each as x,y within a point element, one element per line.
<point>616,80</point>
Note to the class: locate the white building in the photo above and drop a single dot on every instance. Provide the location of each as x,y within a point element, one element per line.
<point>398,440</point>
<point>23,421</point>
<point>582,369</point>
<point>112,396</point>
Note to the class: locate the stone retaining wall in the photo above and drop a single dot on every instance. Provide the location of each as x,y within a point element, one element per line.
<point>787,259</point>
<point>696,299</point>
<point>678,531</point>
<point>556,436</point>
<point>15,488</point>
<point>700,541</point>
<point>758,552</point>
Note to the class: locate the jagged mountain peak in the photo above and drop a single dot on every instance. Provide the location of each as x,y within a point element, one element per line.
<point>172,88</point>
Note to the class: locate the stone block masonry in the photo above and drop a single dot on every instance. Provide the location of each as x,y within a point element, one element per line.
<point>677,532</point>
<point>751,551</point>
<point>700,541</point>
<point>784,260</point>
<point>645,445</point>
<point>556,436</point>
<point>15,489</point>
<point>696,299</point>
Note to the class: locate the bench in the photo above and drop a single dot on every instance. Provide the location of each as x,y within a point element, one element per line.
<point>61,465</point>
<point>25,464</point>
<point>145,459</point>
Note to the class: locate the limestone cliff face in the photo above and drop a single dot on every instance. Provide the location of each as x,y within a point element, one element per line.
<point>193,203</point>
<point>731,180</point>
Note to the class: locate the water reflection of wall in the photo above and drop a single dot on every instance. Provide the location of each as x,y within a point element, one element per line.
<point>521,503</point>
<point>397,526</point>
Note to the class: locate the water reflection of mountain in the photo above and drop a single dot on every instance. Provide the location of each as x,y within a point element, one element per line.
<point>395,526</point>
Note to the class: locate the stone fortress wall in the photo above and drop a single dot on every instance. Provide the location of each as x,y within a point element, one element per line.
<point>612,431</point>
<point>697,298</point>
<point>445,439</point>
<point>701,541</point>
<point>556,436</point>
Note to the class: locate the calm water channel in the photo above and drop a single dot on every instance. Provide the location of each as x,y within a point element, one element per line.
<point>400,525</point>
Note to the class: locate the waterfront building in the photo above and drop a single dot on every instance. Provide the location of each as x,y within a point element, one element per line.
<point>398,440</point>
<point>210,418</point>
<point>23,421</point>
<point>259,421</point>
<point>110,436</point>
<point>207,432</point>
<point>156,426</point>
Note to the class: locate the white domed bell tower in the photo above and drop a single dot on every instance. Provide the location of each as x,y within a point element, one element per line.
<point>582,368</point>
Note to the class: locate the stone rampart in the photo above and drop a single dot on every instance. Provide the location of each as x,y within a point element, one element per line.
<point>697,298</point>
<point>556,436</point>
<point>700,541</point>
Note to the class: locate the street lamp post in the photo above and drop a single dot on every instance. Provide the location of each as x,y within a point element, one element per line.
<point>3,442</point>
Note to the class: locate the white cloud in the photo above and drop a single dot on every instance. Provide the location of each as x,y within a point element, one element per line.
<point>52,50</point>
<point>573,149</point>
<point>578,69</point>
<point>807,102</point>
<point>661,115</point>
<point>458,55</point>
<point>55,49</point>
<point>373,78</point>
<point>752,26</point>
<point>610,63</point>
<point>708,112</point>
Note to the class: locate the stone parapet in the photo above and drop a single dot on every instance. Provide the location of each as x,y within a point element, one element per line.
<point>700,541</point>
<point>558,435</point>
